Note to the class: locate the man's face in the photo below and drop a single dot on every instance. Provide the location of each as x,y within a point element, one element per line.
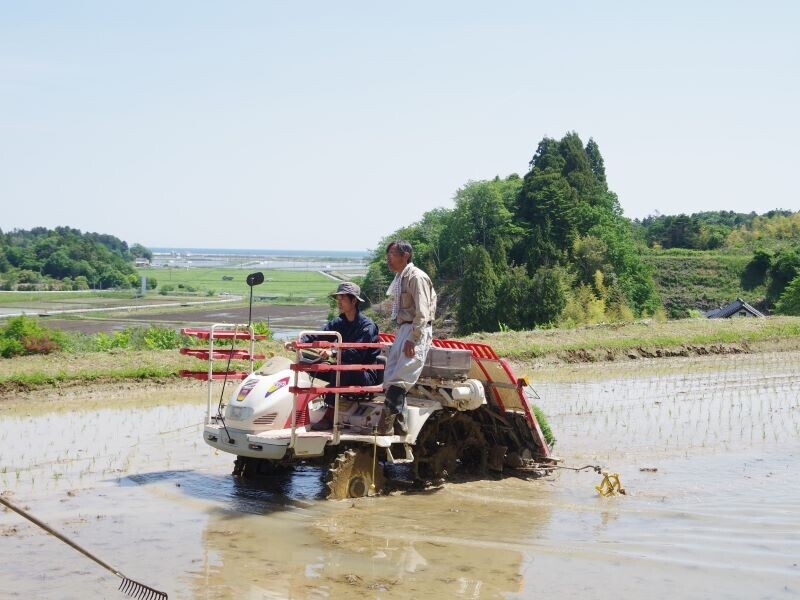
<point>345,303</point>
<point>395,260</point>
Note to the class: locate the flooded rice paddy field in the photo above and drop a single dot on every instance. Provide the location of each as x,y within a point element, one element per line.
<point>707,449</point>
<point>281,318</point>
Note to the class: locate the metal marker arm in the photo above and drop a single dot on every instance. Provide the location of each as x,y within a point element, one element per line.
<point>210,385</point>
<point>214,329</point>
<point>296,380</point>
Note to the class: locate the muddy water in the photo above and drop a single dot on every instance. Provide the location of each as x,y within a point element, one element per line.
<point>714,514</point>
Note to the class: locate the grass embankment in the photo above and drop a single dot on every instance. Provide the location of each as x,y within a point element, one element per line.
<point>597,343</point>
<point>25,373</point>
<point>646,339</point>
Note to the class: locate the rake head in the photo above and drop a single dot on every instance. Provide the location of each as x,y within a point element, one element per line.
<point>137,590</point>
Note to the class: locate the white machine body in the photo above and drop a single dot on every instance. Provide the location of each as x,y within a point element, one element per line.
<point>263,419</point>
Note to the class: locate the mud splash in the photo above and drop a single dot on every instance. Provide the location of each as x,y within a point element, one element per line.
<point>706,448</point>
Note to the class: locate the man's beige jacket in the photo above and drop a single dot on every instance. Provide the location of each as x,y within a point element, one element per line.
<point>417,300</point>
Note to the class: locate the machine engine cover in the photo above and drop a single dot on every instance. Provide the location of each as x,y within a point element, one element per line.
<point>468,395</point>
<point>262,401</point>
<point>446,363</point>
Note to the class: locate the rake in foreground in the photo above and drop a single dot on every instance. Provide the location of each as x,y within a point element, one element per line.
<point>128,586</point>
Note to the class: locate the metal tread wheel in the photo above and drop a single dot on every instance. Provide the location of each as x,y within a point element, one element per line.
<point>450,443</point>
<point>353,474</point>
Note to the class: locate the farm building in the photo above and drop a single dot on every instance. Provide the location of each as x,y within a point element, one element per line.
<point>737,308</point>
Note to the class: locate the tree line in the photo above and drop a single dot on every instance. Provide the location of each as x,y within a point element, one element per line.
<point>553,248</point>
<point>66,259</point>
<point>520,252</point>
<point>779,272</point>
<point>713,230</point>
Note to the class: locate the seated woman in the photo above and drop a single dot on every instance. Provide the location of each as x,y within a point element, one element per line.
<point>353,327</point>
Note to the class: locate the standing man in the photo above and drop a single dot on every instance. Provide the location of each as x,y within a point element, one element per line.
<point>413,309</point>
<point>353,327</point>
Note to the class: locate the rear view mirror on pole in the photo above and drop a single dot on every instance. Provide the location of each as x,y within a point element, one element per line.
<point>255,278</point>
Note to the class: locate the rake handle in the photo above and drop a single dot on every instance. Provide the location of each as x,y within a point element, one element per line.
<point>60,536</point>
<point>128,586</point>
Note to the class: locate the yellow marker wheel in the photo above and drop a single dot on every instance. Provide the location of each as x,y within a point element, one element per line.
<point>610,486</point>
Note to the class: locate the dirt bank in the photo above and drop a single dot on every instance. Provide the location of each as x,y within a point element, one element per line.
<point>646,339</point>
<point>598,355</point>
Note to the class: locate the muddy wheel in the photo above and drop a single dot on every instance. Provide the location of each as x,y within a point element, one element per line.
<point>528,446</point>
<point>251,468</point>
<point>450,443</point>
<point>444,462</point>
<point>351,475</point>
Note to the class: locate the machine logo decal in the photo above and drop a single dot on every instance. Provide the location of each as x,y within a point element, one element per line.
<point>281,383</point>
<point>246,389</point>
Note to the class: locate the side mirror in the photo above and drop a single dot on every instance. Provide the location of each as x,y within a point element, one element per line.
<point>255,279</point>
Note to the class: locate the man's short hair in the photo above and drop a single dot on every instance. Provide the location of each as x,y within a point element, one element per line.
<point>402,246</point>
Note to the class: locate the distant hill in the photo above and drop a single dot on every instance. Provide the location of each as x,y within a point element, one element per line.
<point>707,259</point>
<point>66,259</point>
<point>712,230</point>
<point>700,280</point>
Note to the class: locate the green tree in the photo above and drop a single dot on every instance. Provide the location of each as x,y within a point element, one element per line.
<point>9,281</point>
<point>483,216</point>
<point>513,293</point>
<point>376,282</point>
<point>616,306</point>
<point>27,276</point>
<point>525,302</point>
<point>139,251</point>
<point>5,265</point>
<point>596,162</point>
<point>547,206</point>
<point>589,256</point>
<point>58,265</point>
<point>113,278</point>
<point>755,273</point>
<point>785,266</point>
<point>428,236</point>
<point>23,335</point>
<point>789,301</point>
<point>548,297</point>
<point>565,198</point>
<point>62,253</point>
<point>583,305</point>
<point>557,227</point>
<point>476,310</point>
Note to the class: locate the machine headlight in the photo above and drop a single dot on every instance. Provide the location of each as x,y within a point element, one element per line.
<point>240,413</point>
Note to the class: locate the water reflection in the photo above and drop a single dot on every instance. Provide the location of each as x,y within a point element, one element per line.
<point>461,542</point>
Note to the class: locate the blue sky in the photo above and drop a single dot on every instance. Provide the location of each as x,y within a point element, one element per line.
<point>327,125</point>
